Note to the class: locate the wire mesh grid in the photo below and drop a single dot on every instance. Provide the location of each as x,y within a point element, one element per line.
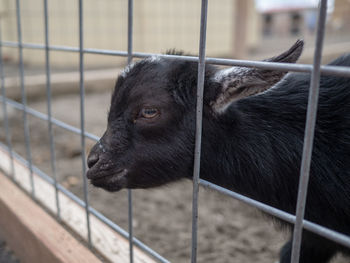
<point>315,69</point>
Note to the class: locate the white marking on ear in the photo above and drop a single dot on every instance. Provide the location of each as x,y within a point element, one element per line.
<point>224,73</point>
<point>227,77</point>
<point>240,82</point>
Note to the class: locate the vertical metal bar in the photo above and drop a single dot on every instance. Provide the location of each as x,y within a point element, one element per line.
<point>49,111</point>
<point>309,133</point>
<point>4,111</point>
<point>130,218</point>
<point>24,97</point>
<point>130,212</point>
<point>199,117</point>
<point>82,118</point>
<point>130,29</point>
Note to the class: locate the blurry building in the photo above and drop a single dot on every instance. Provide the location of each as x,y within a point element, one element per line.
<point>235,27</point>
<point>158,25</point>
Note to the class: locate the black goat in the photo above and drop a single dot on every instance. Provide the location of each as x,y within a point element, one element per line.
<point>252,138</point>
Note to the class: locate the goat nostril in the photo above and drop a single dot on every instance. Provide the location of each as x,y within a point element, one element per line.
<point>92,160</point>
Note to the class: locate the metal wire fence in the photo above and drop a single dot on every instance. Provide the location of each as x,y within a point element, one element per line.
<point>315,69</point>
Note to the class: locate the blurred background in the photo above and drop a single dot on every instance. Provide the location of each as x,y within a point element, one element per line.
<point>246,29</point>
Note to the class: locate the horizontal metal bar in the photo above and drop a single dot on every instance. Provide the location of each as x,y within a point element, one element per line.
<point>93,211</point>
<point>315,228</point>
<point>13,44</point>
<point>263,207</point>
<point>325,70</point>
<point>44,117</point>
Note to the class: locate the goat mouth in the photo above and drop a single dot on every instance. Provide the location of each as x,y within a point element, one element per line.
<point>112,182</point>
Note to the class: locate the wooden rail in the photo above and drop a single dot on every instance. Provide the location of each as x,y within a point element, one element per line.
<point>40,236</point>
<point>32,234</point>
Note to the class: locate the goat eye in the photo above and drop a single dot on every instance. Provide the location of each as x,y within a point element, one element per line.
<point>149,113</point>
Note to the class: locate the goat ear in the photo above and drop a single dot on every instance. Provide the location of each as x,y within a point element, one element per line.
<point>240,82</point>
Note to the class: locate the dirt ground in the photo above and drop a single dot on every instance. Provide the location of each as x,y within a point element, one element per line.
<point>229,231</point>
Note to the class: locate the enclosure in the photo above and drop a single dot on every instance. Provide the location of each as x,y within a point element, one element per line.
<point>56,81</point>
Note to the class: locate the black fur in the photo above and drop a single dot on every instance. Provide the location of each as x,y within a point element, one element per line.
<point>254,147</point>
